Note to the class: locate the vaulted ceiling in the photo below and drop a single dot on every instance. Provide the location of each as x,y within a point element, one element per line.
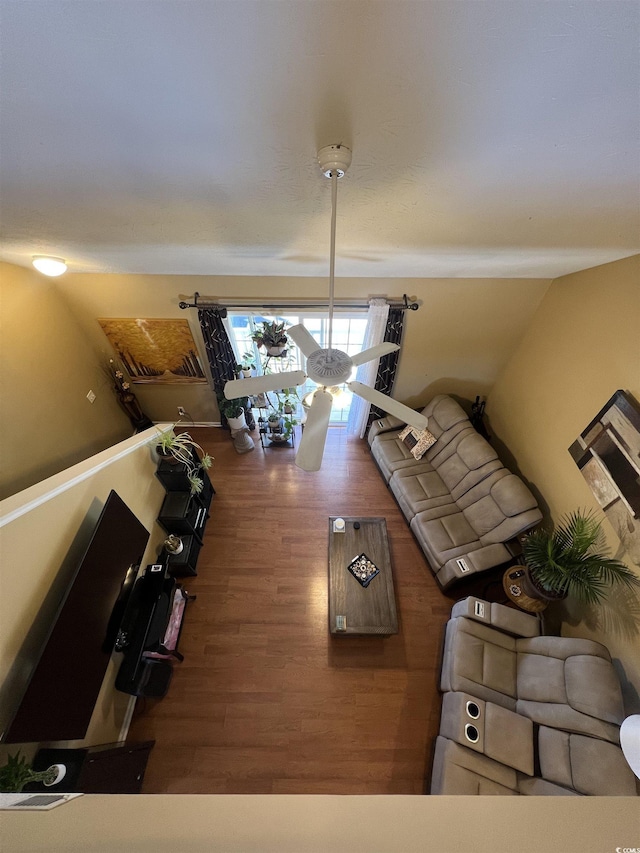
<point>162,136</point>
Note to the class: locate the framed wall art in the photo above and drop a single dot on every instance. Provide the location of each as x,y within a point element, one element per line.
<point>607,452</point>
<point>161,352</point>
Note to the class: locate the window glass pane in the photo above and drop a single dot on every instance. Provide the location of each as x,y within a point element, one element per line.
<point>348,336</point>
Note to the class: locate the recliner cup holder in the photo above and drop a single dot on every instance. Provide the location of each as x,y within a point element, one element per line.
<point>473,710</point>
<point>471,733</point>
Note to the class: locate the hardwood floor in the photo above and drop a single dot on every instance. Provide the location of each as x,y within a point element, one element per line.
<point>265,700</point>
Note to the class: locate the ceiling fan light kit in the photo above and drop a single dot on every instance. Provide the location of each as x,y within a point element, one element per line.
<point>326,366</point>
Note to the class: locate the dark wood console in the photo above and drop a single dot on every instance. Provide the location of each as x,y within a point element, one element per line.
<point>111,768</point>
<point>150,632</point>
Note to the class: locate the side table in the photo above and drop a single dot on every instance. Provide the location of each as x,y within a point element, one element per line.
<point>512,585</point>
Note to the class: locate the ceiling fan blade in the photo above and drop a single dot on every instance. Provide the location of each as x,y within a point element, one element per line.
<point>314,435</point>
<point>389,405</point>
<point>373,352</point>
<point>259,384</point>
<point>303,339</point>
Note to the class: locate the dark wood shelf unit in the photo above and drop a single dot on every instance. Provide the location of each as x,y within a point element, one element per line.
<point>184,564</point>
<point>184,514</point>
<point>110,768</point>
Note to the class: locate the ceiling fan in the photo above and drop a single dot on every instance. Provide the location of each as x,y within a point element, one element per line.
<point>328,366</point>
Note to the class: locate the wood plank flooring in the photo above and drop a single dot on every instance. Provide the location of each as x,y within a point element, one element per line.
<point>265,700</point>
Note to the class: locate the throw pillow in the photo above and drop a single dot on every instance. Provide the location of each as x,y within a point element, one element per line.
<point>418,441</point>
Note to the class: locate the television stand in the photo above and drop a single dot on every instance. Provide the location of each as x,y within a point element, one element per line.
<point>150,633</point>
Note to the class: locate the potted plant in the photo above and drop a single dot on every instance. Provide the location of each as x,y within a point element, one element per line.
<point>17,772</point>
<point>173,544</point>
<point>247,365</point>
<point>569,560</point>
<point>272,336</point>
<point>233,410</point>
<point>181,448</point>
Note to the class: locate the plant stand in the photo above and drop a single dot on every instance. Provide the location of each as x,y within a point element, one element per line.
<point>269,432</point>
<point>242,441</point>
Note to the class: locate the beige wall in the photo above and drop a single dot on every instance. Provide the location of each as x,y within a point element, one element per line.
<point>582,345</point>
<point>459,340</point>
<point>43,533</point>
<point>318,824</point>
<point>48,364</point>
<point>54,351</point>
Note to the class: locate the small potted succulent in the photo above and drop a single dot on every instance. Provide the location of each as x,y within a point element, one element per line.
<point>173,544</point>
<point>17,773</point>
<point>272,337</point>
<point>570,560</point>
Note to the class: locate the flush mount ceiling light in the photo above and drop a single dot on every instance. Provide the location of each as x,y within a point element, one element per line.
<point>327,367</point>
<point>49,266</point>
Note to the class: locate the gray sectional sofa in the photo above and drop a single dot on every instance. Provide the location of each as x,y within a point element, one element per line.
<point>464,507</point>
<point>524,713</point>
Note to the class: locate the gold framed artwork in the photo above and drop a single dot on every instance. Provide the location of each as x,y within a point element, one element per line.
<point>160,352</point>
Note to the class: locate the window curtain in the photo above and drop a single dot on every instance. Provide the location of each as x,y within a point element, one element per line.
<point>220,355</point>
<point>388,363</point>
<point>377,318</point>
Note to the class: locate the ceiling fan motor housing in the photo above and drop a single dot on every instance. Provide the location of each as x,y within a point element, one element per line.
<point>334,159</point>
<point>329,367</point>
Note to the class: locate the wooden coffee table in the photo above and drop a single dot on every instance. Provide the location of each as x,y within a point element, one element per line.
<point>370,610</point>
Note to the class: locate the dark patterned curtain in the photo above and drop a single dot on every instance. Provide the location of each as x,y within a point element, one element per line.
<point>388,363</point>
<point>220,355</point>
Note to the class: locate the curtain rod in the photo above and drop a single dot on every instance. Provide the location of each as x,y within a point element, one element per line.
<point>394,302</point>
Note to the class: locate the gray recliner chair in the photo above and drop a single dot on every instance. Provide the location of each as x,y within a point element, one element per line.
<point>524,713</point>
<point>560,682</point>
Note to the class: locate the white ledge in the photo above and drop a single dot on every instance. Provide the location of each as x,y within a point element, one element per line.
<point>28,499</point>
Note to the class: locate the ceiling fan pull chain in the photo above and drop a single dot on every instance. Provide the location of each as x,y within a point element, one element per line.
<point>332,254</point>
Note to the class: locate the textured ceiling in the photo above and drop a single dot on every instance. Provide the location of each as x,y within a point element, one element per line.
<point>489,138</point>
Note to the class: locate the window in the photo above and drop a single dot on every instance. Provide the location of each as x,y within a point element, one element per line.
<point>348,336</point>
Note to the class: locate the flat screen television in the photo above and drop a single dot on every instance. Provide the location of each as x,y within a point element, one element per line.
<point>63,688</point>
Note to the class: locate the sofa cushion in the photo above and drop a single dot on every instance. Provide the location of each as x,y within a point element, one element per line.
<point>593,688</point>
<point>466,460</point>
<point>541,679</point>
<point>479,660</point>
<point>443,413</point>
<point>419,488</point>
<point>588,765</point>
<point>390,453</point>
<point>569,683</point>
<point>499,507</point>
<point>457,770</point>
<point>448,533</point>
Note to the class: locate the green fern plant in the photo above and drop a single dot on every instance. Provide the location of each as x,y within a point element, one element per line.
<point>569,560</point>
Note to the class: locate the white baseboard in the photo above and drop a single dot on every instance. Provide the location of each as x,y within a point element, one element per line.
<point>124,730</point>
<point>189,424</point>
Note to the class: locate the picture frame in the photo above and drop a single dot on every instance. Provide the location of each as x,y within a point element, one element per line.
<point>155,351</point>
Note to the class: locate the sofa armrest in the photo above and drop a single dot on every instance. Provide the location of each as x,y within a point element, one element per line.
<point>465,565</point>
<point>384,425</point>
<point>506,619</point>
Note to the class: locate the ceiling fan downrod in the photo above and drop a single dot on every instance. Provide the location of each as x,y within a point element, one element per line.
<point>334,161</point>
